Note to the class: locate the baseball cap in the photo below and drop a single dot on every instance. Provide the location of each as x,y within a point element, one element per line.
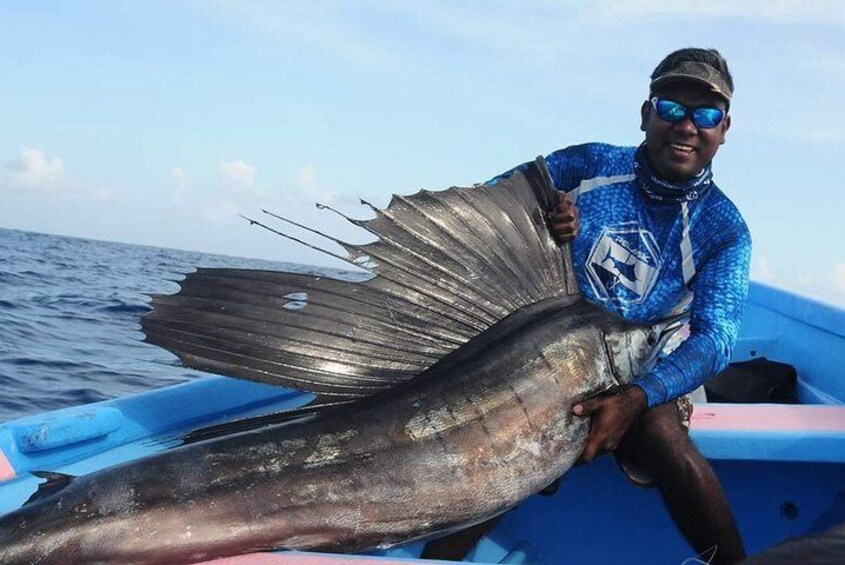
<point>695,71</point>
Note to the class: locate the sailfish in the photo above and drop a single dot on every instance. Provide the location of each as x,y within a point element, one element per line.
<point>444,385</point>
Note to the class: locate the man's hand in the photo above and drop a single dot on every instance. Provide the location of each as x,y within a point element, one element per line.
<point>564,222</point>
<point>613,413</point>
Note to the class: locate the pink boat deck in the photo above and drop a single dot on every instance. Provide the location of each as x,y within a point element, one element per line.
<point>783,418</point>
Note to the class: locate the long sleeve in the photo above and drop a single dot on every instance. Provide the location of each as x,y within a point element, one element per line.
<point>629,259</point>
<point>570,165</point>
<point>719,292</point>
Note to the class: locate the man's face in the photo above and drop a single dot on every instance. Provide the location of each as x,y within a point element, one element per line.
<point>678,151</point>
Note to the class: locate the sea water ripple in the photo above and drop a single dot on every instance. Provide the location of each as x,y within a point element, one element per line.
<point>69,318</point>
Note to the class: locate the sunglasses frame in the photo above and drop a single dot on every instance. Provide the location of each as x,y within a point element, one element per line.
<point>688,113</point>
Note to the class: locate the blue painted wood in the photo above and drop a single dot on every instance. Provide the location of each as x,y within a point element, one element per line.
<point>77,425</point>
<point>800,331</point>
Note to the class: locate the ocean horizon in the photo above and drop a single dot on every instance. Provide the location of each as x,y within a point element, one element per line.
<point>70,311</point>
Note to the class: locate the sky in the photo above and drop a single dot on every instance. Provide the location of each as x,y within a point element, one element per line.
<point>159,122</point>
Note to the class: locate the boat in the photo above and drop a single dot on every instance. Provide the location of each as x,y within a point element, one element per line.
<point>782,465</point>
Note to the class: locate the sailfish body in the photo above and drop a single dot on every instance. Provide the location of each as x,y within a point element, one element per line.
<point>445,385</point>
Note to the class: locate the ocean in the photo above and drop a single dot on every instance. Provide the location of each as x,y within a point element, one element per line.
<point>70,313</point>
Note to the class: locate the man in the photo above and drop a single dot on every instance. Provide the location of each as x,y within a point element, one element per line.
<point>652,235</point>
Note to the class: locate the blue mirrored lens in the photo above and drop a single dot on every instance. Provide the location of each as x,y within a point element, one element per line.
<point>705,118</point>
<point>671,111</point>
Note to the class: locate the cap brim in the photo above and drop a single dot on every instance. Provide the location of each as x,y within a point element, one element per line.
<point>679,77</point>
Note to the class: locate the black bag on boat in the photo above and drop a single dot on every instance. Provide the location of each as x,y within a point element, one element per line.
<point>758,380</point>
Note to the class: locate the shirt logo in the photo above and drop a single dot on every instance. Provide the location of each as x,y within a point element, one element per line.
<point>623,264</point>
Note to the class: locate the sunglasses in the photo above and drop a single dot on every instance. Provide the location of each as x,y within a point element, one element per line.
<point>703,117</point>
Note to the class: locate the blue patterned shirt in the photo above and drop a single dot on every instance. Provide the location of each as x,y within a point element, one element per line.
<point>644,257</point>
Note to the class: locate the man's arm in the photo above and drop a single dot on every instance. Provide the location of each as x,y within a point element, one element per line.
<point>720,289</point>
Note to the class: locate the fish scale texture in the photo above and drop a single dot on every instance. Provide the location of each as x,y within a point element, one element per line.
<point>645,258</point>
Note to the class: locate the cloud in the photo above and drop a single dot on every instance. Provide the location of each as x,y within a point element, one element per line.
<point>236,194</point>
<point>36,173</point>
<point>180,183</point>
<point>309,190</point>
<point>33,171</point>
<point>238,177</point>
<point>306,177</point>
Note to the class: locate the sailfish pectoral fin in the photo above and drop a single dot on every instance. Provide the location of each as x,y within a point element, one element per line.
<point>53,484</point>
<point>317,406</point>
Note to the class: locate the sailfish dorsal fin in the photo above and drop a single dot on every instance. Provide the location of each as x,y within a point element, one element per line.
<point>446,266</point>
